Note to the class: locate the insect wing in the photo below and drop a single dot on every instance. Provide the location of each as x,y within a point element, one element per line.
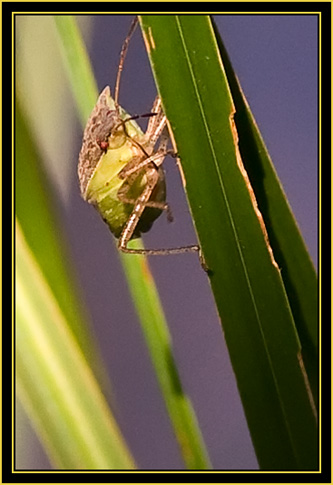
<point>98,128</point>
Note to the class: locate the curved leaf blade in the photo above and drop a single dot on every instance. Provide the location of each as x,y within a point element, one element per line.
<point>54,381</point>
<point>246,281</point>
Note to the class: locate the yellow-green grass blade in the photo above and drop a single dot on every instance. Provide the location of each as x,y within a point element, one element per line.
<point>53,379</point>
<point>141,284</point>
<point>250,296</point>
<point>41,227</point>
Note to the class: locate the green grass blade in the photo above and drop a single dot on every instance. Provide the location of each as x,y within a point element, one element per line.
<point>141,284</point>
<point>155,329</point>
<point>249,292</point>
<point>77,64</point>
<point>54,381</point>
<point>290,252</point>
<point>34,210</point>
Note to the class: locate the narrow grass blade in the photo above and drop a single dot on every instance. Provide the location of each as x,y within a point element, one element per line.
<point>41,228</point>
<point>141,284</point>
<point>258,324</point>
<point>54,381</point>
<point>157,336</point>
<point>78,65</point>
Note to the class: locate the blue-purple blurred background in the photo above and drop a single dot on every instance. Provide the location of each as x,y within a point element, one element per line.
<point>276,60</point>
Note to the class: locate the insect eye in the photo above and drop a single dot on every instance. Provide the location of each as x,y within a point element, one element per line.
<point>104,145</point>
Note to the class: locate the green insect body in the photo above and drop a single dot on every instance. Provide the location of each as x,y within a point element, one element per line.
<point>101,181</point>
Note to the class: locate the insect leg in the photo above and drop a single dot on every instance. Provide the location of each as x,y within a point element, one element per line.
<point>140,205</point>
<point>135,166</point>
<point>156,158</point>
<point>156,125</point>
<point>124,189</point>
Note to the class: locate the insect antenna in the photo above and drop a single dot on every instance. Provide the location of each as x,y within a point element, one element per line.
<point>123,53</point>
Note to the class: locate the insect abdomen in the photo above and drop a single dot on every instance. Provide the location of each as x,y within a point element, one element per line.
<point>116,213</point>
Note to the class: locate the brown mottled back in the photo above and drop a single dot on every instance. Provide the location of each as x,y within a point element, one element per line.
<point>98,128</point>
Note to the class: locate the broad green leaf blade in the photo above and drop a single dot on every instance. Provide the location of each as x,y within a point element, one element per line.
<point>246,281</point>
<point>54,381</point>
<point>290,252</point>
<point>141,284</point>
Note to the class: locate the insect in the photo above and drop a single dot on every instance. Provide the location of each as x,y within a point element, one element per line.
<point>120,167</point>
